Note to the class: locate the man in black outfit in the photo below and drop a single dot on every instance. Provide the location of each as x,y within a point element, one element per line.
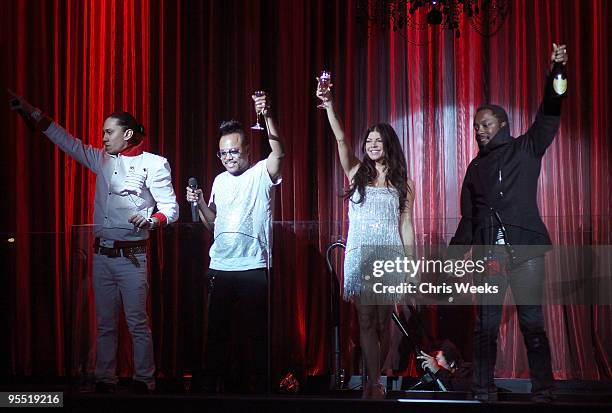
<point>499,208</point>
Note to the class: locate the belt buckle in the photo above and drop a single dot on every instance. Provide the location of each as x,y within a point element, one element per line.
<point>109,252</point>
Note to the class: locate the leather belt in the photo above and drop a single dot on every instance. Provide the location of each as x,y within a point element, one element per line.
<point>126,249</point>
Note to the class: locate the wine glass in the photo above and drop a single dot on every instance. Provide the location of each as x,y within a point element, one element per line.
<point>257,126</point>
<point>324,85</point>
<point>134,210</point>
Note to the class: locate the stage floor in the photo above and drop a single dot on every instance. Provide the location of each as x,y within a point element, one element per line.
<point>396,402</point>
<point>571,397</point>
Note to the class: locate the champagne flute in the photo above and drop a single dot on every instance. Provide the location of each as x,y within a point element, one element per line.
<point>324,85</point>
<point>134,210</point>
<point>257,126</point>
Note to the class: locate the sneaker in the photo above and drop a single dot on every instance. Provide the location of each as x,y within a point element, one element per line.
<point>139,387</point>
<point>543,397</point>
<point>105,388</point>
<point>209,385</point>
<point>485,397</point>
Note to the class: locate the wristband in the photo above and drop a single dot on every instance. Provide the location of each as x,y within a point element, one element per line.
<point>36,115</point>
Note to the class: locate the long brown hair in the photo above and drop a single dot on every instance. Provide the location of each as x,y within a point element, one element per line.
<point>395,162</point>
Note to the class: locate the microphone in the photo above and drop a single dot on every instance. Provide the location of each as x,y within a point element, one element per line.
<point>425,379</point>
<point>193,184</point>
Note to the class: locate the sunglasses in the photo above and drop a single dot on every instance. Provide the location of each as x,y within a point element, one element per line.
<point>234,153</point>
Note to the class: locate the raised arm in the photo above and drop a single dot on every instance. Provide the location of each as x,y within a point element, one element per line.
<point>274,162</point>
<point>542,132</point>
<point>85,154</point>
<point>348,160</point>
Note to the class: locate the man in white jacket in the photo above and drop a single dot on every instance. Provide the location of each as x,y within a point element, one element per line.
<point>130,185</point>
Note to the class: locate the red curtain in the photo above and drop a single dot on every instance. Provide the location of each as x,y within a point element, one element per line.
<point>184,66</point>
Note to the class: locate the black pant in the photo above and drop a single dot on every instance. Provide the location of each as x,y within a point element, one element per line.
<point>526,281</point>
<point>246,292</point>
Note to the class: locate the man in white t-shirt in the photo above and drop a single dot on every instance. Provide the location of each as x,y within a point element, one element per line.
<point>240,215</point>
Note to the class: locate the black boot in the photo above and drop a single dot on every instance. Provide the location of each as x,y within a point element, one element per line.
<point>105,388</point>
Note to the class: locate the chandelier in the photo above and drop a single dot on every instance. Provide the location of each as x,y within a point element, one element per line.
<point>485,16</point>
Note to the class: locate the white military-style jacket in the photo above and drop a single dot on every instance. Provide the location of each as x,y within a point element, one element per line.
<point>131,182</point>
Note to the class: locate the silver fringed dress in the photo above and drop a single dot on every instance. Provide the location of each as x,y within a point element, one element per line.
<point>373,235</point>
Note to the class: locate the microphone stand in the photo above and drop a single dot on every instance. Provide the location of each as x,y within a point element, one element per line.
<point>335,356</point>
<point>428,373</point>
<point>269,302</point>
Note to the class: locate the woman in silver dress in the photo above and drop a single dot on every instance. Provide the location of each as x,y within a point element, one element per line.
<point>381,199</point>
